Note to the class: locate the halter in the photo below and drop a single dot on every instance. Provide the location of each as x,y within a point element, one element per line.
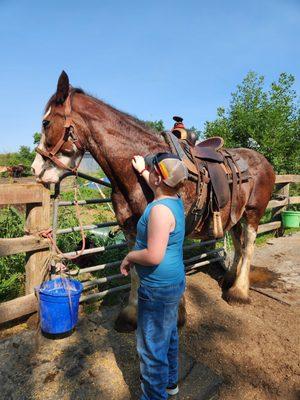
<point>67,135</point>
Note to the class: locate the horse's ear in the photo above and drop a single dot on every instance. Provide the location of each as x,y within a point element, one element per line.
<point>63,87</point>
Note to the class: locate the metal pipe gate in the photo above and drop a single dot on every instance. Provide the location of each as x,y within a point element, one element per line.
<point>206,258</point>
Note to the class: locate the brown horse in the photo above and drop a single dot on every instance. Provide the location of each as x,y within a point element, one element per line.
<point>75,122</point>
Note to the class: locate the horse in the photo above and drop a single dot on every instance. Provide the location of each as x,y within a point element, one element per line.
<point>75,122</point>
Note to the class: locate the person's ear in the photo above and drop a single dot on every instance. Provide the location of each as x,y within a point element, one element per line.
<point>158,180</point>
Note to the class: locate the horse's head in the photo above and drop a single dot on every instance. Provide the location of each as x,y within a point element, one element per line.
<point>60,148</point>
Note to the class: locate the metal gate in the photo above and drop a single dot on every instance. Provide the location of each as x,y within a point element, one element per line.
<point>215,254</point>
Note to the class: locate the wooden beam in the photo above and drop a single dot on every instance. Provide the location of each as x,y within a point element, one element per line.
<point>277,203</point>
<point>287,178</point>
<point>21,193</point>
<point>17,308</point>
<point>22,245</point>
<point>271,226</point>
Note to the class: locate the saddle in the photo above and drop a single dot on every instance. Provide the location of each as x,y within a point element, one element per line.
<point>218,173</point>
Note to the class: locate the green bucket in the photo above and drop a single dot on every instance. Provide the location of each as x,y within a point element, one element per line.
<point>291,219</point>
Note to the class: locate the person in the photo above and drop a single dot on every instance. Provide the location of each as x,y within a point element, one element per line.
<point>158,259</point>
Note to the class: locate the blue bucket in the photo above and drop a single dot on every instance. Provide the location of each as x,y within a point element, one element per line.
<point>59,302</point>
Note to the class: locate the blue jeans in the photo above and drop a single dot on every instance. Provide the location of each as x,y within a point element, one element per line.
<point>157,338</point>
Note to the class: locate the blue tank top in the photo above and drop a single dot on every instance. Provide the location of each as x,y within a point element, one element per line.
<point>171,269</point>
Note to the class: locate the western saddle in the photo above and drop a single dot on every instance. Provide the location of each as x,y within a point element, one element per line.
<point>218,173</point>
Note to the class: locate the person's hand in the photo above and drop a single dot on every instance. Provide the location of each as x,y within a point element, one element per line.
<point>138,163</point>
<point>125,266</point>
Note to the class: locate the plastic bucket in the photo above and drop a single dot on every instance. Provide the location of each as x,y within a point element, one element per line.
<point>291,219</point>
<point>59,302</point>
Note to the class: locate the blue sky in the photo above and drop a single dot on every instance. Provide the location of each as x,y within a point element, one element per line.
<point>152,58</point>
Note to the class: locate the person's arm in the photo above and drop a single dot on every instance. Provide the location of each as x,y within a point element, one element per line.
<point>161,222</point>
<point>138,163</point>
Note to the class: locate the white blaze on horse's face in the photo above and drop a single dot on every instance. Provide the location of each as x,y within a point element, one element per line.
<point>46,171</point>
<point>47,113</point>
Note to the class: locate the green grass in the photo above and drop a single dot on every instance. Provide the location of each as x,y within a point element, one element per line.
<point>12,271</point>
<point>264,237</point>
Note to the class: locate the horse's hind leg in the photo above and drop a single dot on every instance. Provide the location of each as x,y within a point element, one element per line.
<point>237,238</point>
<point>239,291</point>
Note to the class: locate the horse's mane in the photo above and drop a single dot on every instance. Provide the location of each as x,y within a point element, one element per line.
<point>132,120</point>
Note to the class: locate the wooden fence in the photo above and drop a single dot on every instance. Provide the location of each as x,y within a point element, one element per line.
<point>38,205</point>
<point>281,201</point>
<point>36,199</point>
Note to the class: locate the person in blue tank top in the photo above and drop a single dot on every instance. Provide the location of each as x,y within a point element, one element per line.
<point>158,259</point>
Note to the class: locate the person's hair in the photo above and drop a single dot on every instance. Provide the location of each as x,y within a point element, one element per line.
<point>168,190</point>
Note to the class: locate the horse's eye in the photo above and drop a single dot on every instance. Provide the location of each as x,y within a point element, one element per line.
<point>45,123</point>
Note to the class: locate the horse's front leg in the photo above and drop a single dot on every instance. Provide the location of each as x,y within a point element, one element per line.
<point>127,319</point>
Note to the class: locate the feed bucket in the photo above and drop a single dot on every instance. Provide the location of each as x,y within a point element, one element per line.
<point>59,302</point>
<point>291,219</point>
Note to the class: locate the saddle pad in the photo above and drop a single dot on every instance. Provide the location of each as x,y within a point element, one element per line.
<point>241,162</point>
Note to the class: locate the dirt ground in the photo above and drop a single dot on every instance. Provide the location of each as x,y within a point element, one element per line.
<point>254,348</point>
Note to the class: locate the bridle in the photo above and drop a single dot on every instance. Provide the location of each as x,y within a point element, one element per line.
<point>67,135</point>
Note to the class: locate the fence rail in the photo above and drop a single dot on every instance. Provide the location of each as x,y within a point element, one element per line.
<point>37,201</point>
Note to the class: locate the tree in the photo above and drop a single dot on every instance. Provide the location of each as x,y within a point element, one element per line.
<point>36,138</point>
<point>156,125</point>
<point>265,120</point>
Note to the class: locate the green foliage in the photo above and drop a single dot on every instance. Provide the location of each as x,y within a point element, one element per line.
<point>11,267</point>
<point>197,132</point>
<point>37,138</point>
<point>265,120</point>
<point>24,156</point>
<point>156,125</point>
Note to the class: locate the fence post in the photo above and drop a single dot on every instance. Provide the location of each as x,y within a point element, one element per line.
<point>37,218</point>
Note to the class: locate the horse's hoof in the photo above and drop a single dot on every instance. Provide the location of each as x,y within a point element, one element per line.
<point>126,320</point>
<point>236,295</point>
<point>181,321</point>
<point>227,281</point>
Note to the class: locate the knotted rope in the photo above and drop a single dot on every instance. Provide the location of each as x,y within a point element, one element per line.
<point>55,253</point>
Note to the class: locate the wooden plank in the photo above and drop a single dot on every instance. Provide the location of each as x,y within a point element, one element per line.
<point>21,193</point>
<point>17,308</point>
<point>284,191</point>
<point>287,178</point>
<point>37,218</point>
<point>277,203</point>
<point>22,245</point>
<point>269,227</point>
